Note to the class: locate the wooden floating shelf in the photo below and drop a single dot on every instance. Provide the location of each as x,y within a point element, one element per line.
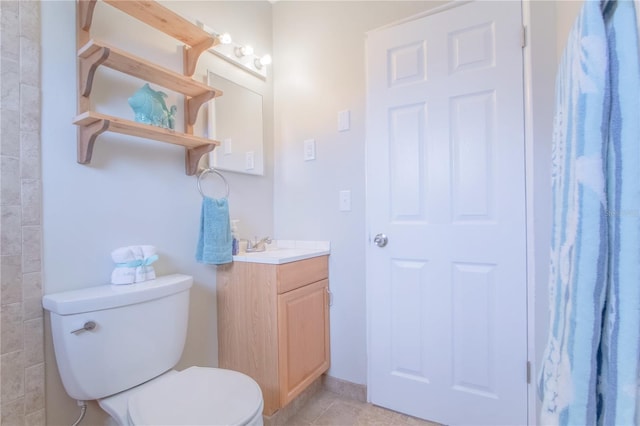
<point>137,67</point>
<point>162,19</point>
<point>96,53</point>
<point>92,124</point>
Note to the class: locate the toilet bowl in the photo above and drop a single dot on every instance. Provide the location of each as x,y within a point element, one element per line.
<point>195,396</point>
<point>119,344</point>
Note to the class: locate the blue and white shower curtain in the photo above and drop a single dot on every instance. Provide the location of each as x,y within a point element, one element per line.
<point>590,371</point>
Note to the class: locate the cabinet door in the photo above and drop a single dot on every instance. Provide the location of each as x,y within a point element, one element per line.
<point>303,337</point>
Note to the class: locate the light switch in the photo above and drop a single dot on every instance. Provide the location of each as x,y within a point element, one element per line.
<point>345,201</point>
<point>226,144</point>
<point>249,160</point>
<point>309,149</point>
<point>344,120</point>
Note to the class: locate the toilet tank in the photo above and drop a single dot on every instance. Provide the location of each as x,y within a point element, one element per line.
<point>140,331</point>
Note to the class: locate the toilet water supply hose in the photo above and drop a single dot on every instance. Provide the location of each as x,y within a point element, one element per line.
<point>83,411</point>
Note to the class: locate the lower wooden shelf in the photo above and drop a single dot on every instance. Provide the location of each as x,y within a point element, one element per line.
<point>92,124</point>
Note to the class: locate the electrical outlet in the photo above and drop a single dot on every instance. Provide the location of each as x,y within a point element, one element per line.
<point>309,149</point>
<point>344,120</point>
<point>345,201</point>
<point>249,160</point>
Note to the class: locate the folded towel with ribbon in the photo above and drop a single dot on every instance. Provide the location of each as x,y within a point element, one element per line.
<point>133,264</point>
<point>214,242</point>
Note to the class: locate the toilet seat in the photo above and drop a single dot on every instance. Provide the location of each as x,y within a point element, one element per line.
<point>117,405</point>
<point>198,396</point>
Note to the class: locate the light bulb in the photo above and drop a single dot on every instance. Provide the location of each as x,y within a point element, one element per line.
<point>225,38</point>
<point>241,51</point>
<point>260,62</point>
<point>266,60</point>
<point>247,50</point>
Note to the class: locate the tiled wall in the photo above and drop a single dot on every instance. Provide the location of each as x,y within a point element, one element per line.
<point>21,322</point>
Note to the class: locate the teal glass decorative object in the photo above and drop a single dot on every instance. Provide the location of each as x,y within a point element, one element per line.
<point>149,107</point>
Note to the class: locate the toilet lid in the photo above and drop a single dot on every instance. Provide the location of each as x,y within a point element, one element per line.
<point>198,396</point>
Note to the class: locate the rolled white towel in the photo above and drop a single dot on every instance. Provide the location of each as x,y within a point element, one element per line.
<point>145,271</point>
<point>133,264</point>
<point>123,275</point>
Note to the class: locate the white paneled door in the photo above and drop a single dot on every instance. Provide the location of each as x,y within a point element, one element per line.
<point>445,185</point>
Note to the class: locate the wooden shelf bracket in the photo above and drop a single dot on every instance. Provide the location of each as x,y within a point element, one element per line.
<point>85,11</point>
<point>193,53</point>
<point>87,138</point>
<point>192,157</point>
<point>89,63</point>
<point>193,105</point>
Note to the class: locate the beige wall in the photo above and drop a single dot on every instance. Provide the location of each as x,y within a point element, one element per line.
<point>541,58</point>
<point>566,13</point>
<point>319,66</point>
<point>22,356</point>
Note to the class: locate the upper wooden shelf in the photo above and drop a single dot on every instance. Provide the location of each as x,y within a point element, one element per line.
<point>96,53</point>
<point>92,124</point>
<point>162,19</point>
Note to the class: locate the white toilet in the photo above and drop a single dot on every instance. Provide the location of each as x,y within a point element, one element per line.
<point>118,345</point>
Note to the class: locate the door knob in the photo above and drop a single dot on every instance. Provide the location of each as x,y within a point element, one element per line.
<point>380,240</point>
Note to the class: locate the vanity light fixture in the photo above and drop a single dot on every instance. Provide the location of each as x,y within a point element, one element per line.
<point>240,55</point>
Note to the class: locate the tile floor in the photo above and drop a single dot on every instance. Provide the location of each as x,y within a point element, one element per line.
<point>330,409</point>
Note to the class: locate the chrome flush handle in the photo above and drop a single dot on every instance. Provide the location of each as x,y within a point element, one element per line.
<point>88,326</point>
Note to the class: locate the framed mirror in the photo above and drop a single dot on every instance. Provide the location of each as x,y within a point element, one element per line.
<point>235,119</point>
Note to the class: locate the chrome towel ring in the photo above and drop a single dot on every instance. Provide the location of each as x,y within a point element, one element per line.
<point>207,171</point>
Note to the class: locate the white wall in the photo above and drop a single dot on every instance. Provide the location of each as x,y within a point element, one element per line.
<point>319,66</point>
<point>135,191</point>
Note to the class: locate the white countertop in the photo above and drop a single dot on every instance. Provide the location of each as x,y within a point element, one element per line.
<point>285,251</point>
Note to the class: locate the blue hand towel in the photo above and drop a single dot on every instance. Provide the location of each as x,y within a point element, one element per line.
<point>214,242</point>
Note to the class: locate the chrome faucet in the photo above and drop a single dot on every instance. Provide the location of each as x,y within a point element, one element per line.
<point>258,245</point>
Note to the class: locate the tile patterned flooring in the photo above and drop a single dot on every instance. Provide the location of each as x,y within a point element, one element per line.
<point>326,408</point>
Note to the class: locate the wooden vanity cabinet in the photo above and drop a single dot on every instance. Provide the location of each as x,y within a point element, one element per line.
<point>273,325</point>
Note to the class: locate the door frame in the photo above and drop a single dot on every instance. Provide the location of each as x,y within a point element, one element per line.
<point>544,65</point>
<point>539,96</point>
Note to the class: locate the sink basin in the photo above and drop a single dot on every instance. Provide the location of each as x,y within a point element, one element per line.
<point>285,251</point>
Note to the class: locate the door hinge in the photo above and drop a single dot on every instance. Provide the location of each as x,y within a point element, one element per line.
<point>528,372</point>
<point>523,37</point>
